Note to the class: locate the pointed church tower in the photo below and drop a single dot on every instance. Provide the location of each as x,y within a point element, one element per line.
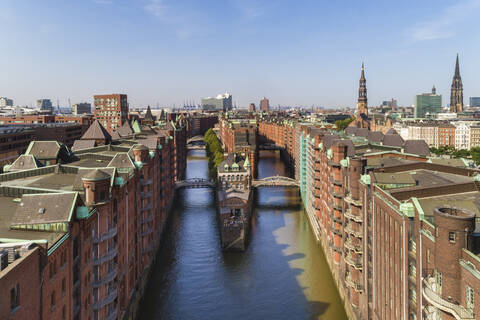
<point>456,94</point>
<point>362,94</point>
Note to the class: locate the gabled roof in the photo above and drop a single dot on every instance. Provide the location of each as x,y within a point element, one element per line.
<point>328,140</point>
<point>419,147</point>
<point>44,149</point>
<point>96,132</point>
<point>148,114</point>
<point>25,162</point>
<point>44,208</point>
<point>393,140</point>
<point>116,135</point>
<point>362,132</point>
<point>121,160</point>
<point>375,136</point>
<point>351,130</point>
<point>83,144</point>
<point>96,175</point>
<point>125,129</point>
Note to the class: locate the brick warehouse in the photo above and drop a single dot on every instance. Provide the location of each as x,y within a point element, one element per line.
<point>239,135</point>
<point>397,226</point>
<point>85,228</point>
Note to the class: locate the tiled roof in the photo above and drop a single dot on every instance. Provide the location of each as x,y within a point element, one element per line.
<point>25,162</point>
<point>44,149</point>
<point>83,144</point>
<point>419,147</point>
<point>96,132</point>
<point>121,160</point>
<point>44,208</point>
<point>125,129</point>
<point>393,140</point>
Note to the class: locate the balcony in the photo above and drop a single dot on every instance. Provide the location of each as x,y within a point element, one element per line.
<point>148,249</point>
<point>145,182</point>
<point>336,195</point>
<point>349,229</point>
<point>147,232</point>
<point>349,214</point>
<point>145,195</point>
<point>112,315</point>
<point>148,219</point>
<point>107,278</point>
<point>147,207</point>
<point>350,245</point>
<point>458,311</point>
<point>112,232</point>
<point>112,253</point>
<point>356,263</point>
<point>349,199</point>
<point>335,182</point>
<point>350,283</point>
<point>105,301</point>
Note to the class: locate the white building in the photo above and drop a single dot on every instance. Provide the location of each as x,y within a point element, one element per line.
<point>5,102</point>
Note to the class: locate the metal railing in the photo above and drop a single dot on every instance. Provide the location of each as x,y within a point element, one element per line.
<point>350,245</point>
<point>106,235</point>
<point>356,263</point>
<point>348,198</point>
<point>348,228</point>
<point>105,301</point>
<point>349,214</point>
<point>112,253</point>
<point>458,311</point>
<point>107,278</point>
<point>349,282</point>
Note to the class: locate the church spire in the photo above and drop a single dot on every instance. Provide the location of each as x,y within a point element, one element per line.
<point>456,93</point>
<point>457,69</point>
<point>362,94</point>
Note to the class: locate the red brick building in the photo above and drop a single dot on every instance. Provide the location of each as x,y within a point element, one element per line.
<point>111,110</point>
<point>85,232</point>
<point>397,228</point>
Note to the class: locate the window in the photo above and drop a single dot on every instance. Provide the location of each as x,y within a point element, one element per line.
<point>63,313</point>
<point>451,237</point>
<point>52,301</point>
<point>470,298</point>
<point>64,286</point>
<point>428,255</point>
<point>15,297</point>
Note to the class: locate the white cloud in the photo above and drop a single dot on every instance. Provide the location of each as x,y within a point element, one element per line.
<point>445,25</point>
<point>156,8</point>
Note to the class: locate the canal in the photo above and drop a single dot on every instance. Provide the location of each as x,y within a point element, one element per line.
<point>282,275</point>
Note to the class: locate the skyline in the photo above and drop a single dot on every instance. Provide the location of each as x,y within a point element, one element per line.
<point>168,52</point>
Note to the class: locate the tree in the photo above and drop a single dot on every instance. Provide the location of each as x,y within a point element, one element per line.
<point>343,124</point>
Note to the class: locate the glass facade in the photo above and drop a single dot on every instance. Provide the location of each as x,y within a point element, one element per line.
<point>427,105</point>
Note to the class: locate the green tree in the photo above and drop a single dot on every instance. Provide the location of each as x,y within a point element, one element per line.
<point>343,124</point>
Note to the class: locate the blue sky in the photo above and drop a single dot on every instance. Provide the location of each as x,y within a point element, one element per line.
<point>293,52</point>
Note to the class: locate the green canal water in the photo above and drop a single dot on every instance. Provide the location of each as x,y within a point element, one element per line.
<point>282,275</point>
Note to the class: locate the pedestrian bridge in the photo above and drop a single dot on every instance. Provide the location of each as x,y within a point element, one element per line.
<point>269,146</point>
<point>195,147</point>
<point>195,183</point>
<point>275,181</point>
<point>195,139</point>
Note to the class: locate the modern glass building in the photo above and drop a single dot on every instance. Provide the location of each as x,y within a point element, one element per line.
<point>427,105</point>
<point>474,101</point>
<point>220,102</point>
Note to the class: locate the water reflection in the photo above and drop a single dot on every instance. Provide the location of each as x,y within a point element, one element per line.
<point>282,274</point>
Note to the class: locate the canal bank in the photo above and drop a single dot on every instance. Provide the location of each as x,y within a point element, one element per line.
<point>283,273</point>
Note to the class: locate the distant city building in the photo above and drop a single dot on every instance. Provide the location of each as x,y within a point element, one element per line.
<point>264,105</point>
<point>5,102</point>
<point>221,102</point>
<point>111,110</point>
<point>81,108</point>
<point>390,104</point>
<point>428,104</point>
<point>251,108</point>
<point>456,95</point>
<point>474,102</point>
<point>44,105</point>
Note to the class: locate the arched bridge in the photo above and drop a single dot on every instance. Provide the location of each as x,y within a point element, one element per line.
<point>269,146</point>
<point>195,147</point>
<point>195,183</point>
<point>195,139</point>
<point>275,181</point>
